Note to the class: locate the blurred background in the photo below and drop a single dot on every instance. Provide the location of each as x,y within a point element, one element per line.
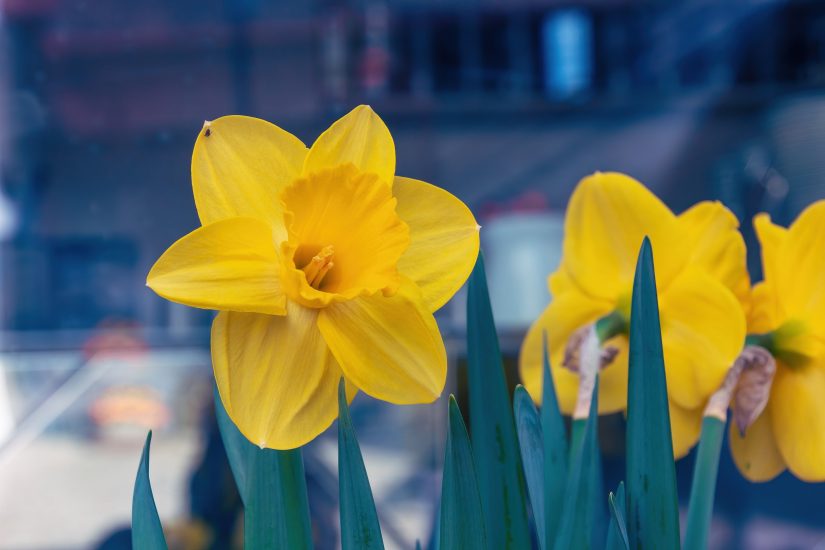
<point>507,104</point>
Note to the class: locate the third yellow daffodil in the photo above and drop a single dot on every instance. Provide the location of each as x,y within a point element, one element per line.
<point>787,319</point>
<point>323,264</point>
<point>701,277</point>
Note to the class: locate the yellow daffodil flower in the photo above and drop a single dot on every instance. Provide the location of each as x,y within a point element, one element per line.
<point>323,263</point>
<point>787,319</point>
<point>700,274</point>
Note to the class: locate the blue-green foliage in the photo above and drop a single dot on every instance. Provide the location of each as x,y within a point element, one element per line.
<point>147,533</point>
<point>578,519</point>
<point>528,425</point>
<point>495,446</point>
<point>555,452</point>
<point>359,521</point>
<point>617,532</point>
<point>462,524</point>
<point>273,489</point>
<point>652,503</point>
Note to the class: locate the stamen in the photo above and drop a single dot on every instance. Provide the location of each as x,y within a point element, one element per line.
<point>318,267</point>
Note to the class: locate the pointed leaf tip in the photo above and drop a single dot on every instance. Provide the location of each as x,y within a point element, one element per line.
<point>617,533</point>
<point>528,428</point>
<point>556,452</point>
<point>147,532</point>
<point>359,519</point>
<point>461,518</point>
<point>579,515</point>
<point>652,502</point>
<point>496,447</point>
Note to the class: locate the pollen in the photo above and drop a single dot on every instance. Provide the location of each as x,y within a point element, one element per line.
<point>318,267</point>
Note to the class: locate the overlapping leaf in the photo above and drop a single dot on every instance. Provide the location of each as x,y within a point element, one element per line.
<point>495,445</point>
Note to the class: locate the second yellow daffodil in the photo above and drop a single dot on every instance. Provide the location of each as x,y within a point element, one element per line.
<point>323,264</point>
<point>787,320</point>
<point>701,278</point>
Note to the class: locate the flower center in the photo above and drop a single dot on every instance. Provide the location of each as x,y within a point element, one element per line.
<point>318,266</point>
<point>344,237</point>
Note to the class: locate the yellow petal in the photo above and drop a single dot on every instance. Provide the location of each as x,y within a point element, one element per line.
<point>275,375</point>
<point>563,316</point>
<point>801,284</point>
<point>764,314</point>
<point>354,213</point>
<point>360,138</point>
<point>389,347</point>
<point>703,331</point>
<point>608,216</point>
<point>685,427</point>
<point>798,419</point>
<point>772,239</point>
<point>229,265</point>
<point>716,246</point>
<point>443,239</point>
<point>239,167</point>
<point>756,454</point>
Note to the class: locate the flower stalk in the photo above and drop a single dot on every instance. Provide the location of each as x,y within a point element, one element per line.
<point>745,390</point>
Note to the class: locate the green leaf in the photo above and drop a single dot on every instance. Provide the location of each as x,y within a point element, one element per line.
<point>555,453</point>
<point>272,486</point>
<point>617,533</point>
<point>703,489</point>
<point>462,519</point>
<point>652,502</point>
<point>359,520</point>
<point>578,518</point>
<point>528,426</point>
<point>147,532</point>
<point>495,445</point>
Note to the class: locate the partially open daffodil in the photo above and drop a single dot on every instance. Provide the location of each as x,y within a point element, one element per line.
<point>787,321</point>
<point>323,263</point>
<point>701,276</point>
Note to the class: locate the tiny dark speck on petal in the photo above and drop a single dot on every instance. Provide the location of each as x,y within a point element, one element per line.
<point>207,132</point>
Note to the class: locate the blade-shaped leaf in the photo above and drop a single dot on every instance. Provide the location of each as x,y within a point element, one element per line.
<point>147,533</point>
<point>495,445</point>
<point>617,532</point>
<point>462,519</point>
<point>272,486</point>
<point>528,426</point>
<point>359,520</point>
<point>578,518</point>
<point>652,502</point>
<point>555,453</point>
<point>703,488</point>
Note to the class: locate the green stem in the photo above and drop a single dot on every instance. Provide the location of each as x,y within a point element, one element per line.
<point>612,324</point>
<point>703,489</point>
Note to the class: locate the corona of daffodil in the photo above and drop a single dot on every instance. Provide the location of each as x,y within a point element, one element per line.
<point>700,275</point>
<point>787,321</point>
<point>323,264</point>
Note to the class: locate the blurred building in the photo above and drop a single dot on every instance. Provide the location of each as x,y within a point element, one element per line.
<point>489,99</point>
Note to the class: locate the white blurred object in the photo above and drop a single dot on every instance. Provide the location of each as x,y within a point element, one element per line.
<point>520,251</point>
<point>6,414</point>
